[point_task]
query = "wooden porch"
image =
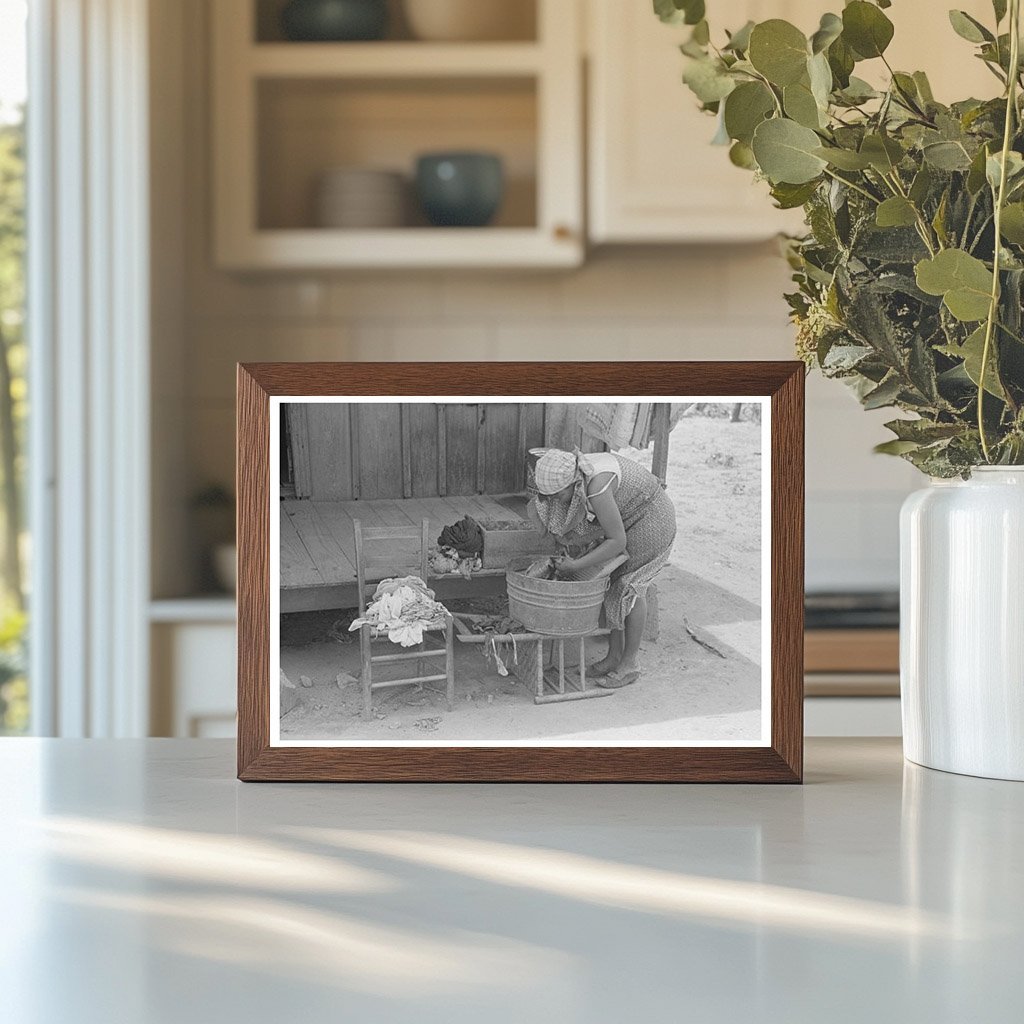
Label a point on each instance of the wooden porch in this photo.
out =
(318, 556)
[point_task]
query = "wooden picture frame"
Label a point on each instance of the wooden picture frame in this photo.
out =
(780, 388)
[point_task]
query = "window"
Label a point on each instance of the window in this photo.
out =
(14, 550)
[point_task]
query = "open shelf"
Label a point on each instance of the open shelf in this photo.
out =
(405, 248)
(392, 60)
(308, 127)
(287, 113)
(521, 19)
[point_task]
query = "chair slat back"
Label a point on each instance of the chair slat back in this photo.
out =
(385, 551)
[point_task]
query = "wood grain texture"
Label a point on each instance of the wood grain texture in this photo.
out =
(781, 762)
(852, 650)
(252, 485)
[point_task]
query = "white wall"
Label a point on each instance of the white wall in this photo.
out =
(654, 303)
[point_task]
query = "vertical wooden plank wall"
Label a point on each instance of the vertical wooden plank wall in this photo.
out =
(423, 449)
(415, 449)
(462, 437)
(323, 466)
(499, 441)
(380, 450)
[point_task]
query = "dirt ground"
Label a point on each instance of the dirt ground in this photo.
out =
(687, 692)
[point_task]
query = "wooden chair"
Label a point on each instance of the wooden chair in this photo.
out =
(381, 553)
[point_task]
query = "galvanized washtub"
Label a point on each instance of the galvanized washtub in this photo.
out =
(558, 607)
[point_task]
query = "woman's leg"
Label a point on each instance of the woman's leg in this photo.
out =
(633, 634)
(610, 662)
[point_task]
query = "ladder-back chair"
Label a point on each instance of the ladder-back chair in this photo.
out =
(383, 552)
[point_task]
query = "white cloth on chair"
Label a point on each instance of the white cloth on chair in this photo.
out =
(402, 609)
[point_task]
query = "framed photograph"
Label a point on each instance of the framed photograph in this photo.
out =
(548, 572)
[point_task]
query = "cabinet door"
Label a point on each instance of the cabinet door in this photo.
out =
(654, 175)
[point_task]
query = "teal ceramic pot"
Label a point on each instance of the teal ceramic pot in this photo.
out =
(331, 21)
(461, 190)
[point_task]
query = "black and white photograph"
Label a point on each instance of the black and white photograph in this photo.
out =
(489, 572)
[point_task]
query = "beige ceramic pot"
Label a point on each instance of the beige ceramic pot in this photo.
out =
(471, 20)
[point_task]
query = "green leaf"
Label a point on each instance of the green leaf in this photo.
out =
(789, 197)
(963, 281)
(676, 12)
(921, 185)
(896, 212)
(1012, 225)
(820, 76)
(885, 394)
(947, 156)
(1014, 169)
(866, 29)
(883, 153)
(739, 41)
(971, 352)
(844, 159)
(778, 50)
(800, 105)
(923, 431)
(841, 60)
(924, 87)
(785, 152)
(858, 91)
(741, 155)
(999, 7)
(939, 220)
(976, 174)
(906, 90)
(830, 29)
(745, 108)
(895, 447)
(708, 80)
(969, 28)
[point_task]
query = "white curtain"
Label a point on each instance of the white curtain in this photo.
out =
(88, 318)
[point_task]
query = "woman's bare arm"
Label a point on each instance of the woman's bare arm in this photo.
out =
(607, 513)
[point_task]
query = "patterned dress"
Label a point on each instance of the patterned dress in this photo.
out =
(650, 521)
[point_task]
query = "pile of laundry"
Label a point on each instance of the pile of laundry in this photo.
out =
(459, 548)
(444, 561)
(402, 608)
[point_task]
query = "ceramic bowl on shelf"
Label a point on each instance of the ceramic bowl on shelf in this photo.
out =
(471, 20)
(332, 21)
(361, 198)
(460, 189)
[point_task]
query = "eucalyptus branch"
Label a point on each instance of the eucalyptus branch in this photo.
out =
(970, 216)
(923, 227)
(771, 89)
(897, 297)
(853, 185)
(981, 231)
(1000, 199)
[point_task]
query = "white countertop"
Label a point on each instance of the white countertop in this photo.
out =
(143, 885)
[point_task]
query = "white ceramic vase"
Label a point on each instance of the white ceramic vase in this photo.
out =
(962, 624)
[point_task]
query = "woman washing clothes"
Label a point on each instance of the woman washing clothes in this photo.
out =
(604, 505)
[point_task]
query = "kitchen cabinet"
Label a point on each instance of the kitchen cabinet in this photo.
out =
(287, 113)
(653, 175)
(192, 648)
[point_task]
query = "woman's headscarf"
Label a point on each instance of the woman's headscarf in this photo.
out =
(555, 471)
